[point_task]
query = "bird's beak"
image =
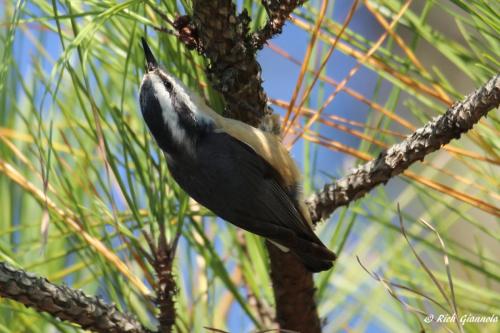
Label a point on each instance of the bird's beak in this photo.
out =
(151, 63)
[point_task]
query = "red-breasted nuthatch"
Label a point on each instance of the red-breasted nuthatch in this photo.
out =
(242, 174)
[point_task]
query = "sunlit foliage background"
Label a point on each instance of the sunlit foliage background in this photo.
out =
(81, 179)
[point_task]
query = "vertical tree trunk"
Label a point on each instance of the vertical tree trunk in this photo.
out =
(294, 290)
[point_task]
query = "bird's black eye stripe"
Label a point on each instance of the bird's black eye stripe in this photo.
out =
(167, 84)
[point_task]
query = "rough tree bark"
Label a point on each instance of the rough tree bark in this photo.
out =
(162, 259)
(65, 303)
(233, 69)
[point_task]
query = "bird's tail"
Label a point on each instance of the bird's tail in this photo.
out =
(314, 263)
(315, 256)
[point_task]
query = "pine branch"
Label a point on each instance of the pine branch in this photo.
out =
(74, 306)
(233, 70)
(216, 32)
(163, 255)
(278, 12)
(458, 119)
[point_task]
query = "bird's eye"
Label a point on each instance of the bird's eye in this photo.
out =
(167, 84)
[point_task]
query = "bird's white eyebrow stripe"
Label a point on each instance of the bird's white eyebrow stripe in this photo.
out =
(170, 117)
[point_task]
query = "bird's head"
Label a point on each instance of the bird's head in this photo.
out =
(175, 115)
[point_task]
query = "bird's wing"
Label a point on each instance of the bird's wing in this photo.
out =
(233, 181)
(241, 187)
(266, 145)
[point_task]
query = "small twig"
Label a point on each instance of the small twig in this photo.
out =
(183, 29)
(166, 31)
(459, 118)
(386, 283)
(166, 288)
(216, 330)
(451, 301)
(278, 12)
(388, 286)
(91, 313)
(152, 248)
(162, 15)
(446, 262)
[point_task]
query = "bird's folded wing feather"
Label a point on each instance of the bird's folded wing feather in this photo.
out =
(250, 186)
